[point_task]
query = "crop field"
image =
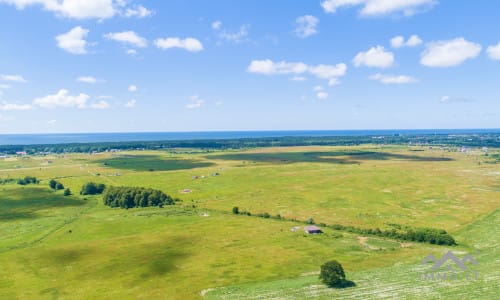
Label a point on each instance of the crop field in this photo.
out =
(73, 247)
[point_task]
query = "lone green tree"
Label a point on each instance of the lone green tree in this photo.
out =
(67, 192)
(59, 186)
(52, 184)
(332, 274)
(236, 210)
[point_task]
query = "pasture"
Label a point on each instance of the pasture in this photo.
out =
(74, 247)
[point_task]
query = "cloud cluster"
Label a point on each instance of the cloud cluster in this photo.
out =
(449, 52)
(195, 102)
(374, 57)
(84, 9)
(306, 26)
(127, 37)
(494, 51)
(380, 7)
(268, 67)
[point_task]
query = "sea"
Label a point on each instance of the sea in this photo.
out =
(64, 138)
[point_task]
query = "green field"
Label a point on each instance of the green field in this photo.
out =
(74, 247)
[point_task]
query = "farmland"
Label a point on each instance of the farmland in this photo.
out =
(55, 246)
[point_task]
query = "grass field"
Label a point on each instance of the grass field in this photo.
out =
(74, 247)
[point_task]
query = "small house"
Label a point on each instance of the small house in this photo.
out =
(312, 229)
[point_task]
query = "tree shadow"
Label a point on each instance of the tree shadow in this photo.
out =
(24, 203)
(335, 157)
(151, 163)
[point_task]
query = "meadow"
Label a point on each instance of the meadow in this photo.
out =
(73, 247)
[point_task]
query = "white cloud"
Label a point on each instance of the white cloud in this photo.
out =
(131, 103)
(14, 106)
(219, 103)
(393, 79)
(268, 67)
(449, 53)
(235, 37)
(298, 78)
(216, 25)
(62, 99)
(138, 11)
(73, 41)
(196, 102)
(87, 79)
(322, 95)
(189, 44)
(13, 78)
(375, 57)
(51, 122)
(100, 105)
(380, 7)
(77, 9)
(399, 41)
(306, 26)
(494, 51)
(4, 86)
(445, 98)
(104, 97)
(132, 88)
(127, 37)
(131, 52)
(318, 88)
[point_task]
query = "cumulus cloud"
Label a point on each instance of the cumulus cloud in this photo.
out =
(77, 9)
(268, 67)
(374, 57)
(298, 78)
(494, 51)
(131, 103)
(87, 79)
(138, 11)
(449, 53)
(306, 26)
(380, 7)
(392, 79)
(73, 41)
(127, 37)
(195, 102)
(84, 9)
(132, 88)
(188, 44)
(62, 99)
(13, 78)
(14, 106)
(399, 41)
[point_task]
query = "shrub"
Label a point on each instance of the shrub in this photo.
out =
(236, 210)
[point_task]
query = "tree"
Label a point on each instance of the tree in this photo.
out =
(59, 186)
(332, 274)
(236, 210)
(67, 192)
(52, 184)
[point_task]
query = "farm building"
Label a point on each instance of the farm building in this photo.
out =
(312, 229)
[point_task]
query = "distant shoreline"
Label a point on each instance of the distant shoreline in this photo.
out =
(68, 138)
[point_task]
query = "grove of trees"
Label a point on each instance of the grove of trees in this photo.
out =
(129, 197)
(56, 185)
(28, 180)
(92, 188)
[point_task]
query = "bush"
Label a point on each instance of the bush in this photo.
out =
(332, 274)
(59, 186)
(92, 188)
(236, 210)
(52, 184)
(67, 192)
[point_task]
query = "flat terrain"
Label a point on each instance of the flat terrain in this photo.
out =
(74, 247)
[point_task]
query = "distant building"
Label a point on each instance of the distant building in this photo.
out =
(312, 229)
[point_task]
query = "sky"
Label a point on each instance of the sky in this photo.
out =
(123, 66)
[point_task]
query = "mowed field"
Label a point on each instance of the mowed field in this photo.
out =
(56, 247)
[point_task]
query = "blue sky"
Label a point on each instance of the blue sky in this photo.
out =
(113, 66)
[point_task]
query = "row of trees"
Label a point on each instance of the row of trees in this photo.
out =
(398, 232)
(129, 197)
(28, 180)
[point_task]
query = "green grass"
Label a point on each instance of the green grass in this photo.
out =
(67, 247)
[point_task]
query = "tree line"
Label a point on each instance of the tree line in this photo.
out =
(129, 197)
